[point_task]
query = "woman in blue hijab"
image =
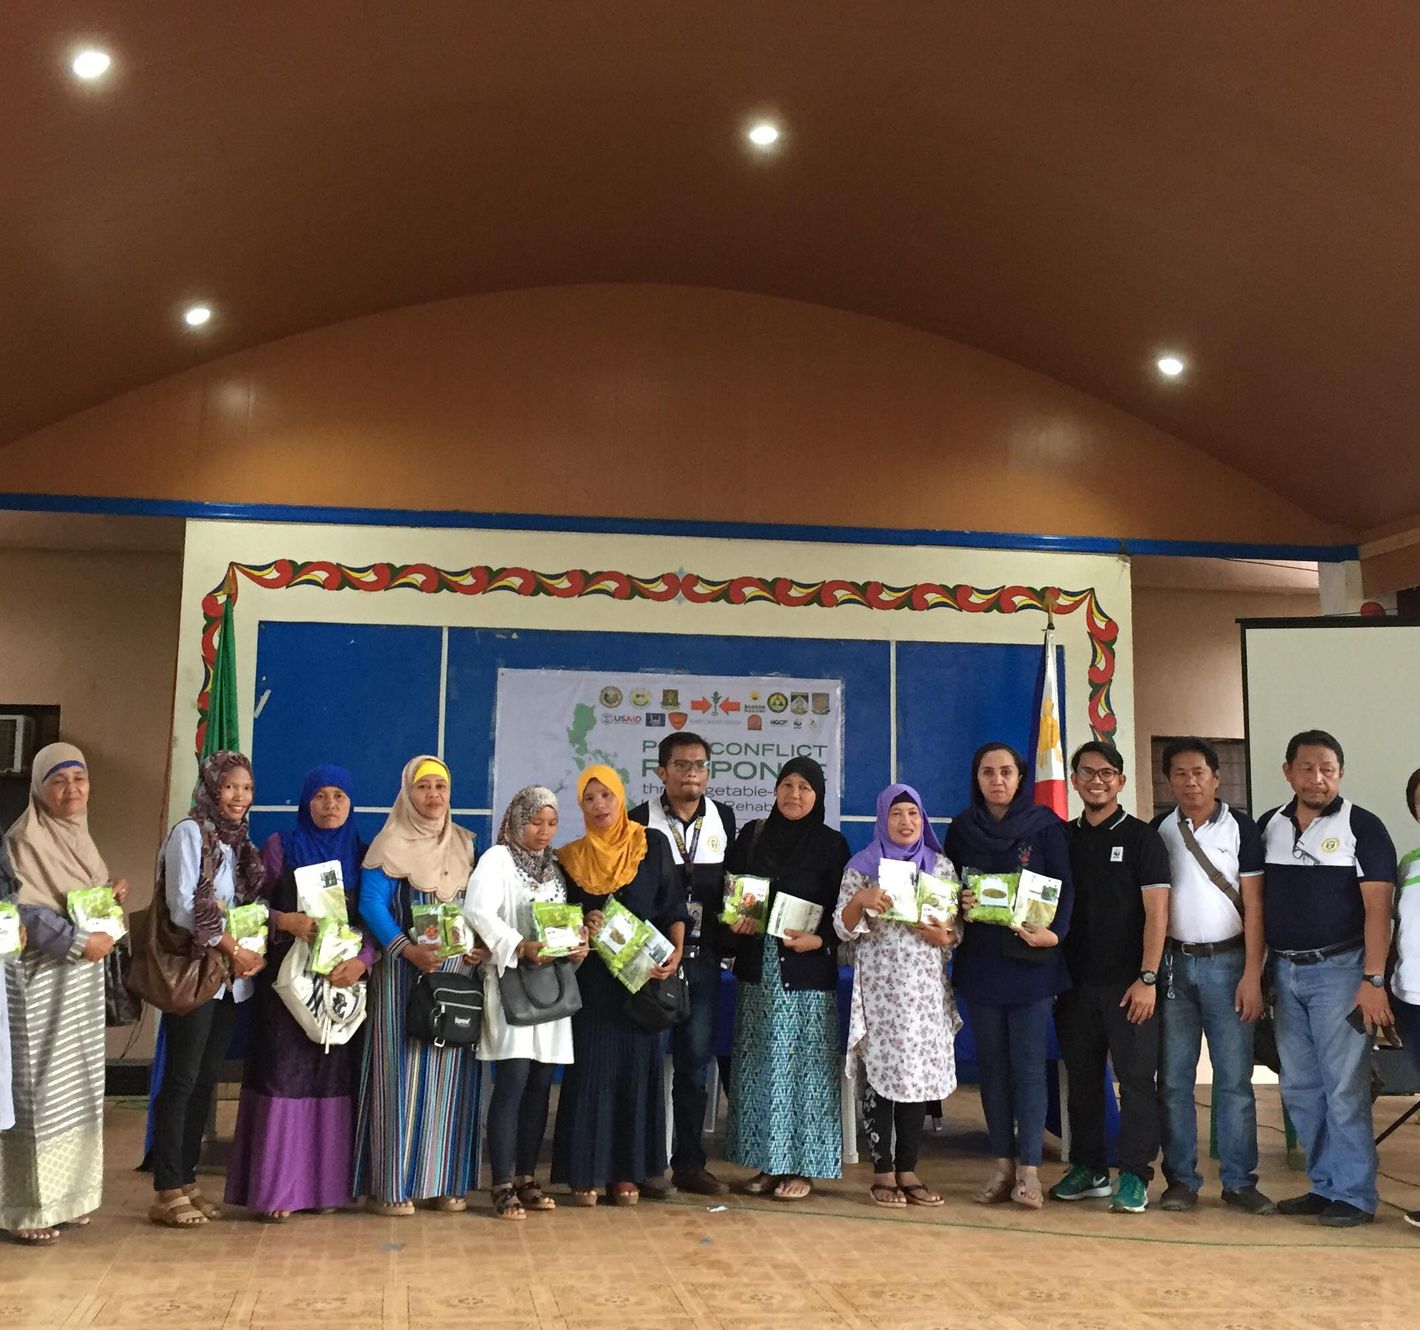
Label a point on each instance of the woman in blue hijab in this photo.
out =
(294, 1145)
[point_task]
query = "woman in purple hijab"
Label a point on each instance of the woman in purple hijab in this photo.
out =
(904, 1018)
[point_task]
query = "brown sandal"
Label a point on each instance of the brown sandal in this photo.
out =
(782, 1192)
(533, 1197)
(506, 1204)
(761, 1184)
(917, 1194)
(176, 1212)
(33, 1237)
(209, 1209)
(390, 1209)
(887, 1195)
(995, 1192)
(624, 1193)
(449, 1205)
(584, 1198)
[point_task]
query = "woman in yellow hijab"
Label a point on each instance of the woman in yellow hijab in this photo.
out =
(611, 1121)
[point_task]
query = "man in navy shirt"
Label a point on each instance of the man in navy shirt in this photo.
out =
(1327, 887)
(700, 831)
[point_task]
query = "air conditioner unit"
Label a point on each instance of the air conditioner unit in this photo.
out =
(17, 744)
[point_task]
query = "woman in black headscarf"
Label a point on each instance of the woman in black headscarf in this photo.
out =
(784, 1096)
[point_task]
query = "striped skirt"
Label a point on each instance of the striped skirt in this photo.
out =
(52, 1159)
(416, 1136)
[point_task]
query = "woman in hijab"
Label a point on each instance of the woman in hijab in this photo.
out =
(51, 1160)
(1009, 978)
(207, 865)
(520, 869)
(294, 1144)
(904, 1017)
(784, 1097)
(417, 1136)
(611, 1117)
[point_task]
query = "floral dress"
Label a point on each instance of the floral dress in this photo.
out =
(903, 1019)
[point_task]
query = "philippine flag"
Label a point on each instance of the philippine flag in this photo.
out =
(1049, 755)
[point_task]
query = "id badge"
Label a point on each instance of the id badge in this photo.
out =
(697, 913)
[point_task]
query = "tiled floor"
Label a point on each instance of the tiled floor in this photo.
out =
(833, 1261)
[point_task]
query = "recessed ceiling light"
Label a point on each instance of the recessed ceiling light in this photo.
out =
(764, 135)
(1170, 366)
(196, 315)
(91, 63)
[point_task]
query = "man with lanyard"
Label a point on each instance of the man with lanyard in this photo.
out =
(700, 831)
(1327, 884)
(1113, 950)
(1212, 979)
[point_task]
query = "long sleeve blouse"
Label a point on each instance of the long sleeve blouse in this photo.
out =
(182, 864)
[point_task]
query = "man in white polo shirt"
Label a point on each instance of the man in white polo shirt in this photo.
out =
(1212, 979)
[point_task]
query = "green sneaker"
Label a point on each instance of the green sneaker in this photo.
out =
(1130, 1195)
(1080, 1184)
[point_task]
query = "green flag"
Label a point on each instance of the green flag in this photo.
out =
(221, 731)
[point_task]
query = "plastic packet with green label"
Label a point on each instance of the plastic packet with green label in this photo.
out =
(1037, 898)
(442, 925)
(938, 898)
(98, 911)
(320, 891)
(898, 878)
(995, 894)
(247, 925)
(557, 926)
(746, 897)
(335, 944)
(9, 930)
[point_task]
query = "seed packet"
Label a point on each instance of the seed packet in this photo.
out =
(994, 894)
(631, 947)
(1037, 898)
(938, 898)
(794, 914)
(335, 944)
(898, 878)
(746, 898)
(98, 911)
(247, 924)
(442, 924)
(557, 926)
(9, 929)
(320, 891)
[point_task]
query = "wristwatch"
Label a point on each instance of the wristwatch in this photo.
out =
(1375, 980)
(1148, 978)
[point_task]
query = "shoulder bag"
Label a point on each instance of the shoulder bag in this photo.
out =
(536, 994)
(168, 970)
(659, 1004)
(446, 1010)
(328, 1016)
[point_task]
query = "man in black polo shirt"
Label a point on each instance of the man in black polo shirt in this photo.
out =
(1113, 950)
(1327, 883)
(700, 831)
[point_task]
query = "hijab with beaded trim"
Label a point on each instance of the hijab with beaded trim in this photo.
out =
(52, 856)
(602, 862)
(433, 855)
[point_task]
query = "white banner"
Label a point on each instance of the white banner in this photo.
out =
(553, 723)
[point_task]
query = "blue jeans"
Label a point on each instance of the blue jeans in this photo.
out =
(1326, 1075)
(1196, 995)
(1010, 1051)
(692, 1049)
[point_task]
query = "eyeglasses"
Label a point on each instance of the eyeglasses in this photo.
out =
(685, 764)
(1089, 774)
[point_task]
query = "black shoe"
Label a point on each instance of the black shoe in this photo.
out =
(1178, 1196)
(1310, 1204)
(1413, 1217)
(1251, 1200)
(656, 1189)
(1342, 1214)
(700, 1182)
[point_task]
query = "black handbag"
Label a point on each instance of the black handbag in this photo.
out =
(659, 1004)
(121, 1005)
(446, 1010)
(535, 994)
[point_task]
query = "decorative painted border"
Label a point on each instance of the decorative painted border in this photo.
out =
(576, 583)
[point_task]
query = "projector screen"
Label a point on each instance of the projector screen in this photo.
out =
(1358, 679)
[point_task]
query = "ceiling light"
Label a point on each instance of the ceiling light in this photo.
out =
(91, 63)
(764, 135)
(1170, 366)
(196, 315)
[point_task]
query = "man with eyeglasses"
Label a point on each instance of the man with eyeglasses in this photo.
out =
(1113, 951)
(1328, 879)
(700, 831)
(1212, 979)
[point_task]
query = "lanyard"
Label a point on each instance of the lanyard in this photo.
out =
(687, 857)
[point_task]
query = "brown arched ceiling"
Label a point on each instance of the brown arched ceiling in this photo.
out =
(1075, 187)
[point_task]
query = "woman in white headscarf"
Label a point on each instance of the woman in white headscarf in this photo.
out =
(417, 1134)
(51, 1160)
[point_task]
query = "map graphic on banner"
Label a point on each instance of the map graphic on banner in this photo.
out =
(550, 724)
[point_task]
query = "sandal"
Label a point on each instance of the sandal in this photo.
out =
(79, 1221)
(176, 1212)
(33, 1237)
(390, 1209)
(624, 1193)
(506, 1204)
(917, 1194)
(274, 1216)
(533, 1197)
(761, 1184)
(585, 1198)
(782, 1191)
(888, 1195)
(1028, 1194)
(449, 1205)
(208, 1209)
(995, 1192)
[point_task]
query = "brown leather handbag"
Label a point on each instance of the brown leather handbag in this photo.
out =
(168, 969)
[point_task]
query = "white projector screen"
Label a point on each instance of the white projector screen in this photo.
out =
(1358, 679)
